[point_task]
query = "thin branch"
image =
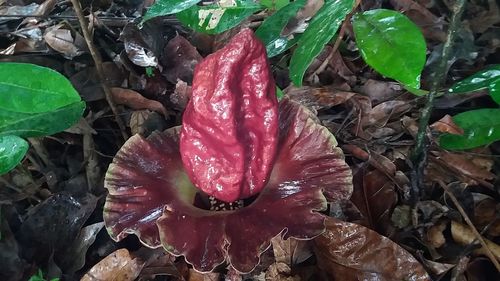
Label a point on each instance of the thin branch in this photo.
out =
(457, 204)
(419, 155)
(98, 65)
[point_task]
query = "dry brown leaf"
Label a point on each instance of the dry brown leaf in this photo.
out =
(364, 254)
(144, 122)
(446, 125)
(179, 59)
(431, 25)
(299, 23)
(487, 18)
(43, 10)
(438, 268)
(118, 266)
(290, 251)
(374, 195)
(61, 40)
(88, 84)
(135, 100)
(318, 98)
(340, 68)
(486, 213)
(280, 272)
(435, 234)
(380, 91)
(181, 95)
(462, 164)
(463, 235)
(197, 276)
(382, 113)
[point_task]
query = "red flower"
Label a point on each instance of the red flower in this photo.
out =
(231, 149)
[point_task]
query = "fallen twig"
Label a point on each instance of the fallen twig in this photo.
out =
(98, 65)
(459, 207)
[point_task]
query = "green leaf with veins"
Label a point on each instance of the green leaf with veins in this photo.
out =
(36, 101)
(320, 31)
(392, 44)
(30, 88)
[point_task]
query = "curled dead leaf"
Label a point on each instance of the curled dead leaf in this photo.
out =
(463, 235)
(348, 251)
(144, 122)
(62, 40)
(118, 266)
(446, 125)
(290, 251)
(181, 95)
(280, 272)
(135, 100)
(179, 59)
(435, 235)
(196, 276)
(299, 23)
(318, 98)
(462, 165)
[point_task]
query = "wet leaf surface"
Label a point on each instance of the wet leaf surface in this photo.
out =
(401, 56)
(352, 252)
(12, 151)
(270, 30)
(320, 31)
(481, 127)
(488, 78)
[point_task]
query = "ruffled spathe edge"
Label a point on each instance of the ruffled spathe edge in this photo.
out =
(150, 196)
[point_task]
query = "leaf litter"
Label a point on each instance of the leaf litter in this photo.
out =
(51, 205)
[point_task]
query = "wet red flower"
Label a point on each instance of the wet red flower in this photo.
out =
(236, 142)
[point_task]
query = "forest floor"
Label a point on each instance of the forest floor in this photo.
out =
(51, 205)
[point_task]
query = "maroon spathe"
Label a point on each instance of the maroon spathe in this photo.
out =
(231, 148)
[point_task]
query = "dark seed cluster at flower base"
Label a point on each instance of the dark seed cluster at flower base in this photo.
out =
(236, 143)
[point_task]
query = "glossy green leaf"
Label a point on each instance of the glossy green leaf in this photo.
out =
(168, 7)
(391, 44)
(270, 30)
(487, 78)
(481, 127)
(40, 124)
(274, 4)
(320, 31)
(279, 93)
(12, 151)
(30, 88)
(217, 18)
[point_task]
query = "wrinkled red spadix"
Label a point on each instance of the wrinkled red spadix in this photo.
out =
(230, 126)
